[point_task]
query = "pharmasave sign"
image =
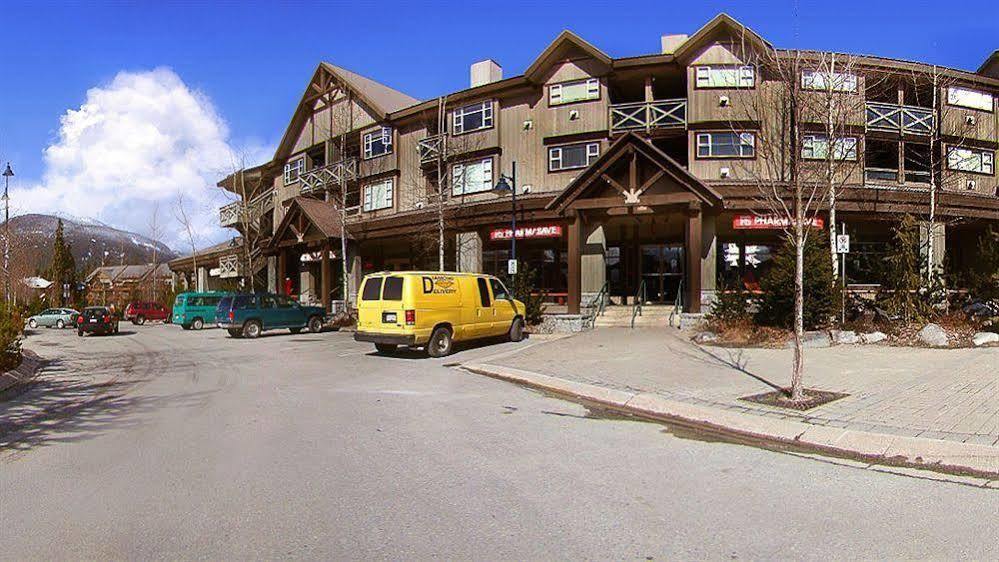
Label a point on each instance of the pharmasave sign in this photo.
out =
(770, 222)
(526, 232)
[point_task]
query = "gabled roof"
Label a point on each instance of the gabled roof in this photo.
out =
(565, 43)
(991, 65)
(591, 176)
(722, 24)
(323, 216)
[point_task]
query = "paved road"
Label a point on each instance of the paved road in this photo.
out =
(168, 444)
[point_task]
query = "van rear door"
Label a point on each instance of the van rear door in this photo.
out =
(369, 306)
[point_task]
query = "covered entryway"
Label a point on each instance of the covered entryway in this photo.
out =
(635, 220)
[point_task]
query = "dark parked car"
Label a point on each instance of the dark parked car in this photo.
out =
(139, 312)
(250, 315)
(96, 320)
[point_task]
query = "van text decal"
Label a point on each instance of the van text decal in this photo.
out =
(439, 285)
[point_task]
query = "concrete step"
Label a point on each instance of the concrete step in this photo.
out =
(652, 316)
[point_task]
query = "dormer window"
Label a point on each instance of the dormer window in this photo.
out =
(973, 99)
(293, 169)
(377, 143)
(724, 76)
(826, 81)
(574, 91)
(473, 117)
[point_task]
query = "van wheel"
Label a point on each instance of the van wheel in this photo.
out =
(198, 324)
(385, 348)
(516, 330)
(60, 324)
(440, 342)
(235, 332)
(315, 324)
(252, 329)
(140, 320)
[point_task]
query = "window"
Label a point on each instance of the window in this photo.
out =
(578, 90)
(473, 117)
(572, 156)
(378, 195)
(484, 293)
(725, 76)
(285, 302)
(969, 98)
(499, 291)
(726, 145)
(816, 147)
(377, 143)
(372, 289)
(244, 302)
(393, 289)
(472, 177)
(267, 301)
(971, 160)
(293, 169)
(835, 81)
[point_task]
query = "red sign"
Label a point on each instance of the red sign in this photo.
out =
(542, 231)
(769, 222)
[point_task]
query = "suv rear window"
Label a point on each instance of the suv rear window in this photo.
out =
(372, 289)
(393, 289)
(225, 303)
(243, 302)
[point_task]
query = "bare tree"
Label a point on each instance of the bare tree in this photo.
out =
(181, 215)
(155, 233)
(248, 187)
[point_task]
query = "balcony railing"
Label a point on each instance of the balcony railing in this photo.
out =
(890, 175)
(648, 115)
(431, 148)
(229, 215)
(903, 119)
(329, 176)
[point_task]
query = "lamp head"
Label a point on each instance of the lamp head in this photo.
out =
(8, 172)
(502, 187)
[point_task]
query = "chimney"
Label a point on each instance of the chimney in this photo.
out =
(486, 72)
(671, 43)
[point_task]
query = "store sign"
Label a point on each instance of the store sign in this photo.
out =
(542, 231)
(769, 222)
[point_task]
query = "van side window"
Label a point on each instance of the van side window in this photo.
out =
(499, 291)
(393, 289)
(372, 289)
(484, 292)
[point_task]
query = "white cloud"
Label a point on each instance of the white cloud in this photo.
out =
(133, 145)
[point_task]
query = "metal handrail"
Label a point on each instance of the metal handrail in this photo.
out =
(601, 305)
(678, 307)
(639, 301)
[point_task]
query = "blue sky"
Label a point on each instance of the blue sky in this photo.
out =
(252, 60)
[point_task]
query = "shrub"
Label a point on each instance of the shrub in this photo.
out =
(903, 293)
(523, 285)
(821, 295)
(11, 323)
(731, 305)
(983, 279)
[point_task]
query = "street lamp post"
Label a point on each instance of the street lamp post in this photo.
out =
(7, 174)
(508, 184)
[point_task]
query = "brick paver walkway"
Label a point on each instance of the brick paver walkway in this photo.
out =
(950, 394)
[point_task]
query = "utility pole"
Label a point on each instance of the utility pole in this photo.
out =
(7, 174)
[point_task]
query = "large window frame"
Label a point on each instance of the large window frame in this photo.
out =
(293, 170)
(458, 117)
(376, 201)
(816, 147)
(459, 179)
(821, 80)
(970, 99)
(973, 161)
(556, 155)
(707, 140)
(557, 92)
(377, 143)
(713, 77)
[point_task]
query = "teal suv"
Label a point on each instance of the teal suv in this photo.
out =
(250, 315)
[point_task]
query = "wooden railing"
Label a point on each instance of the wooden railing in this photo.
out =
(648, 115)
(905, 119)
(230, 215)
(329, 176)
(431, 148)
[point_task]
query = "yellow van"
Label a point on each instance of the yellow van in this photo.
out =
(434, 310)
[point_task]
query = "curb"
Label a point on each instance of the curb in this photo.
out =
(10, 381)
(981, 461)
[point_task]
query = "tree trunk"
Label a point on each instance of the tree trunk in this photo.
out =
(797, 392)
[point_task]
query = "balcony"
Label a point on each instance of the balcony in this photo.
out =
(648, 115)
(891, 175)
(329, 177)
(431, 148)
(901, 119)
(229, 215)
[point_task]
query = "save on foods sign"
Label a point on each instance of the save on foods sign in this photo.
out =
(768, 222)
(540, 231)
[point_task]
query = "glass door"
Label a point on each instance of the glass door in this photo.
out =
(662, 271)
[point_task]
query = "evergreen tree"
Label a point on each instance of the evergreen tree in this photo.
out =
(63, 268)
(821, 295)
(901, 292)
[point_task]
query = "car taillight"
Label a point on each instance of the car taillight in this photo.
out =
(410, 317)
(106, 319)
(231, 316)
(79, 320)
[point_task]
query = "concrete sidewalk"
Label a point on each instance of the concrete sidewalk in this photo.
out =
(920, 406)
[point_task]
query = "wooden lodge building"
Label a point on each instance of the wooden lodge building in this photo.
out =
(632, 172)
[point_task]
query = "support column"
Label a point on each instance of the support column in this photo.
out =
(709, 258)
(593, 267)
(354, 273)
(324, 281)
(693, 253)
(282, 271)
(201, 280)
(575, 258)
(272, 274)
(469, 252)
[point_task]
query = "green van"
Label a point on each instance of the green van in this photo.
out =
(191, 310)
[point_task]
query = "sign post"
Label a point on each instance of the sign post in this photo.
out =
(842, 248)
(511, 267)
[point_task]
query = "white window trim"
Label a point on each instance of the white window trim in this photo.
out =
(986, 159)
(555, 156)
(385, 133)
(702, 76)
(297, 166)
(745, 138)
(847, 146)
(459, 185)
(368, 204)
(592, 91)
(486, 107)
(955, 98)
(840, 81)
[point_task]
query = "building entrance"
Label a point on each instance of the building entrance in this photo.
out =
(662, 269)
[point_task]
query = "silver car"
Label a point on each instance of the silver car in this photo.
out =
(57, 317)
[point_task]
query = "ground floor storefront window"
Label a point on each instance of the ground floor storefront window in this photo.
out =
(549, 264)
